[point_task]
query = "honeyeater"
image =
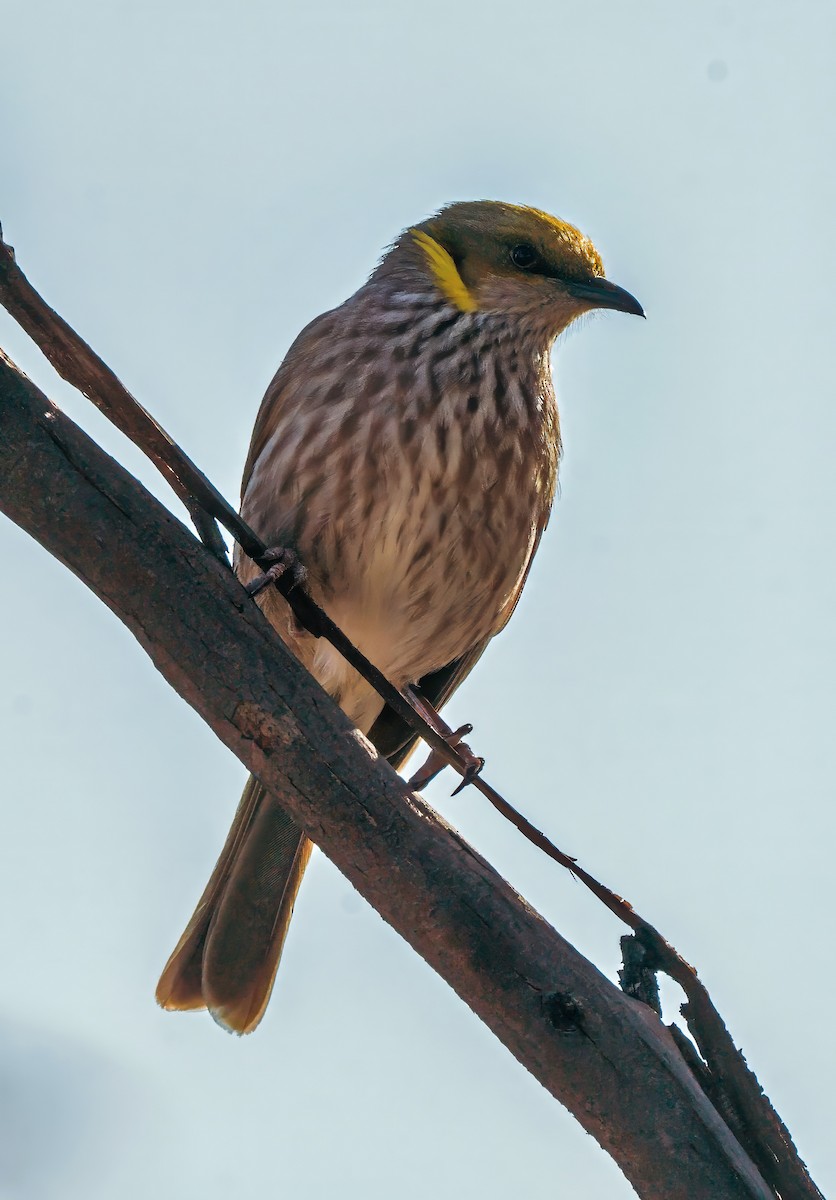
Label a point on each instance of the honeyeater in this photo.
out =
(406, 454)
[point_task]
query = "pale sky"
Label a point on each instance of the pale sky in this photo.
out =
(189, 184)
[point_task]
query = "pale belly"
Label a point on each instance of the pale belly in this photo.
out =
(415, 579)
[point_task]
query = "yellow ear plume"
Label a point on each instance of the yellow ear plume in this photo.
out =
(445, 272)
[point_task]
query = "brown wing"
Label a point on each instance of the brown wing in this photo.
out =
(308, 342)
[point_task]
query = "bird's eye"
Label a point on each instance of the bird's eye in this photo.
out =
(524, 256)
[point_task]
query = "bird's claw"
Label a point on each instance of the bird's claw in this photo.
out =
(473, 768)
(436, 762)
(282, 562)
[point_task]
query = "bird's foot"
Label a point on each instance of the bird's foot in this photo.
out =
(281, 562)
(436, 762)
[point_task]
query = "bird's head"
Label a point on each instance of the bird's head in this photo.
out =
(486, 256)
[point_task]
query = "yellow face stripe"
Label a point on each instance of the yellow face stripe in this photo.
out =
(444, 272)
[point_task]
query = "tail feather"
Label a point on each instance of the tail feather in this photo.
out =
(227, 958)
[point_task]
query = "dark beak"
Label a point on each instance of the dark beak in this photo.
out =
(600, 293)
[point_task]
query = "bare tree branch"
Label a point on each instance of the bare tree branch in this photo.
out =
(604, 1055)
(79, 364)
(722, 1072)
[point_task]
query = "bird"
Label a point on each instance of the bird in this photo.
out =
(405, 456)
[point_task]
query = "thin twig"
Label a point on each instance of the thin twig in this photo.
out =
(79, 365)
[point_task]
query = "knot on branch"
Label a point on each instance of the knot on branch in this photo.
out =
(638, 974)
(564, 1012)
(256, 725)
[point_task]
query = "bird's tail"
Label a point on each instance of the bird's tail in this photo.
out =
(227, 958)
